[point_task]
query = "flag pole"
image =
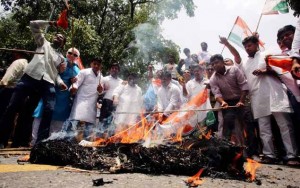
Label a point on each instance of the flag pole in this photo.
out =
(260, 17)
(258, 22)
(229, 33)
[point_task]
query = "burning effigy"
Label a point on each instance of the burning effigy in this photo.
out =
(173, 147)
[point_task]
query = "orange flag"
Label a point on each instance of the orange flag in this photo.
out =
(63, 19)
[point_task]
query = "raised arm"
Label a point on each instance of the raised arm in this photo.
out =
(233, 51)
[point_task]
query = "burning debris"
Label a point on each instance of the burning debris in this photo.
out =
(216, 157)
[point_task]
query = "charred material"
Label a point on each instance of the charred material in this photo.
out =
(217, 157)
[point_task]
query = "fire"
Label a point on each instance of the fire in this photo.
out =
(251, 167)
(195, 179)
(24, 158)
(208, 135)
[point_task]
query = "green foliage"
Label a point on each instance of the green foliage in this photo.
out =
(119, 30)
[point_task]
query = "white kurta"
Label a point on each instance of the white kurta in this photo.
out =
(266, 92)
(84, 106)
(168, 98)
(130, 100)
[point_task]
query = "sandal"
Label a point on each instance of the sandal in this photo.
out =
(293, 162)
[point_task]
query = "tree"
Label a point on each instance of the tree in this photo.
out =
(103, 28)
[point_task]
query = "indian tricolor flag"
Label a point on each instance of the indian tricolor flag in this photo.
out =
(240, 31)
(275, 7)
(192, 114)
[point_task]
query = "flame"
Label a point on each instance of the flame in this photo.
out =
(195, 179)
(208, 135)
(24, 158)
(251, 167)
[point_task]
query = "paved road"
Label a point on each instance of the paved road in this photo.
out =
(27, 175)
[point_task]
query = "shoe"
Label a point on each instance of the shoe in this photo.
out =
(256, 158)
(294, 162)
(269, 160)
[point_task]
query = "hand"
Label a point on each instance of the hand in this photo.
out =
(295, 71)
(124, 83)
(62, 67)
(256, 34)
(73, 90)
(53, 23)
(240, 104)
(63, 86)
(99, 88)
(115, 101)
(224, 104)
(223, 40)
(259, 72)
(73, 80)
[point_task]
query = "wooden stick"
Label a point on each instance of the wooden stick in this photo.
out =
(18, 50)
(229, 33)
(171, 111)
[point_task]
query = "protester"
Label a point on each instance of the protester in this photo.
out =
(87, 87)
(230, 88)
(188, 61)
(168, 96)
(127, 99)
(172, 67)
(64, 102)
(150, 96)
(204, 55)
(268, 97)
(37, 82)
(10, 79)
(110, 83)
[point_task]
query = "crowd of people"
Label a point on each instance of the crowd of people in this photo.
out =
(260, 108)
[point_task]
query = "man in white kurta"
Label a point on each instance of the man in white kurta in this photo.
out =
(87, 88)
(267, 97)
(128, 99)
(110, 83)
(168, 96)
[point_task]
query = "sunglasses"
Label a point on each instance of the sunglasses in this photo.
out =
(75, 55)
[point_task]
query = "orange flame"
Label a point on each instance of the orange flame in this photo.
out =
(208, 135)
(251, 167)
(195, 179)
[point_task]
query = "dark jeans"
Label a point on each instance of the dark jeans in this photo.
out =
(5, 95)
(244, 116)
(106, 112)
(33, 90)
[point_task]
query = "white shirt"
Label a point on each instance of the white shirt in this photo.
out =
(110, 84)
(193, 87)
(43, 66)
(14, 73)
(266, 92)
(204, 56)
(84, 106)
(130, 100)
(168, 98)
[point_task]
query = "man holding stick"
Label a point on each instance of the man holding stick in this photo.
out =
(37, 82)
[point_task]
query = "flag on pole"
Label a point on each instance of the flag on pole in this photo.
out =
(63, 19)
(240, 31)
(275, 7)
